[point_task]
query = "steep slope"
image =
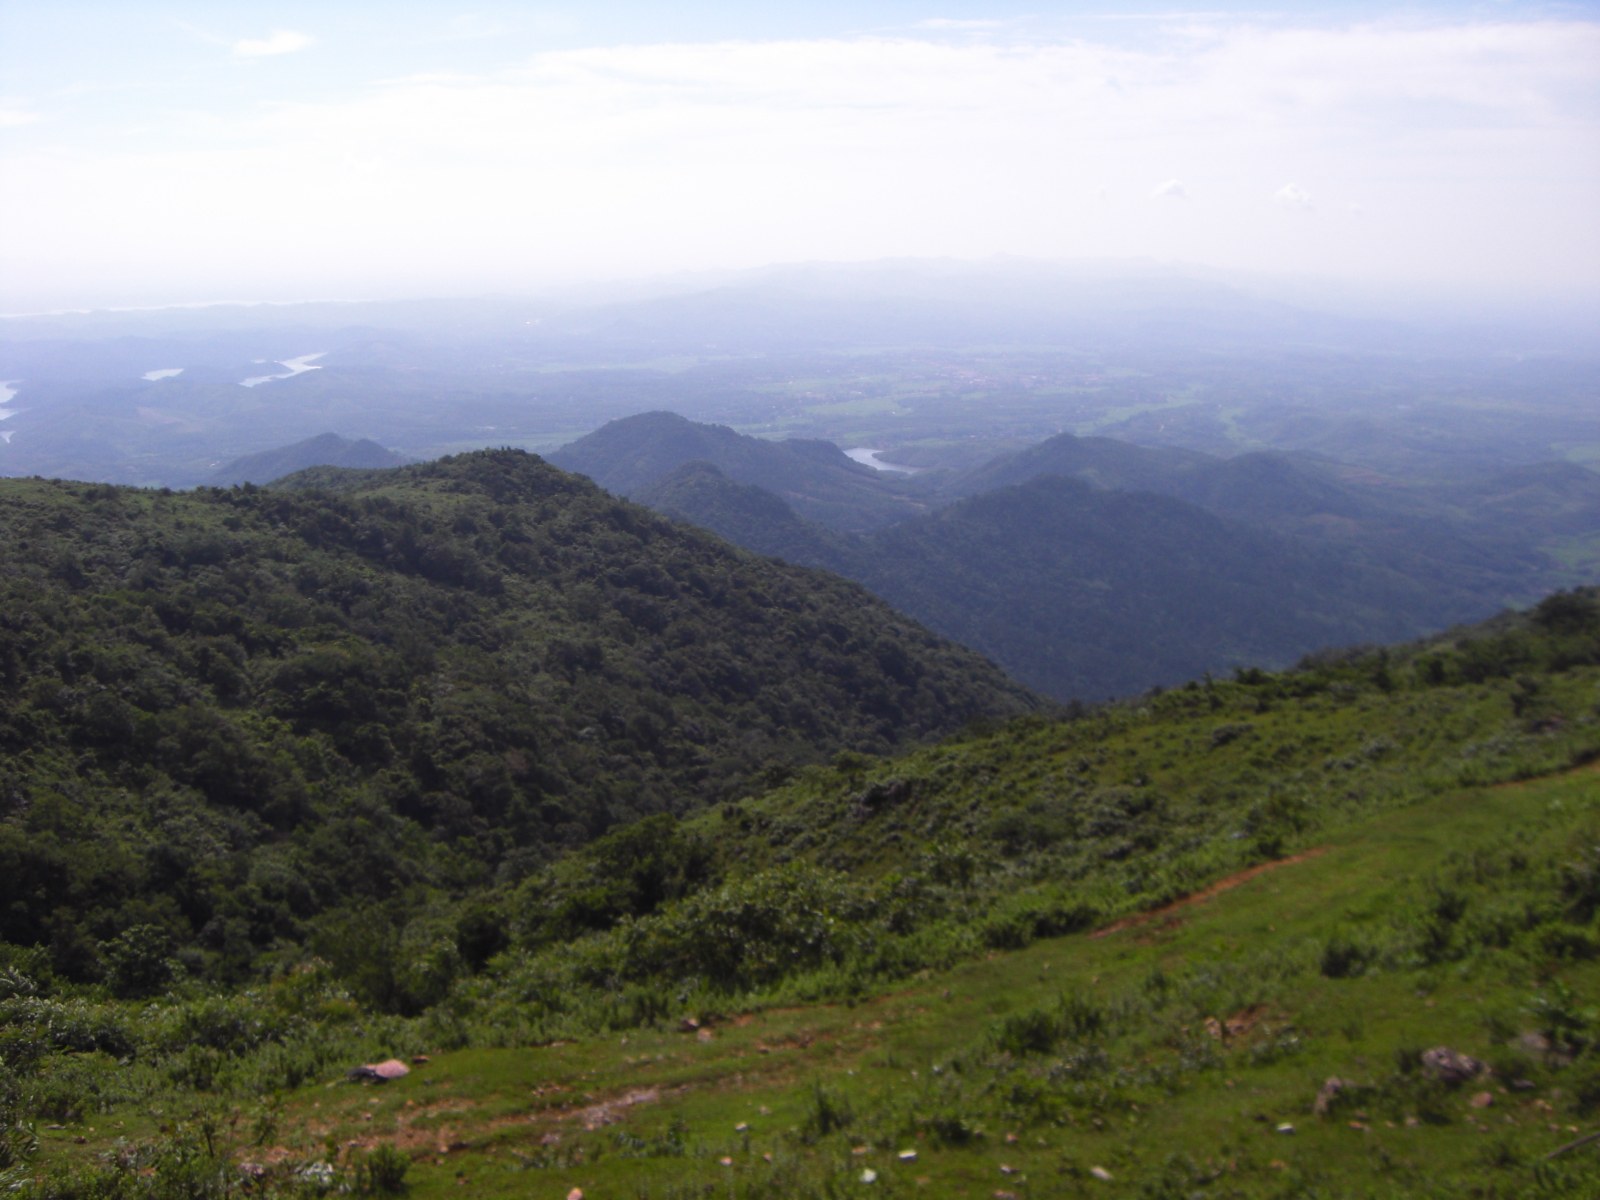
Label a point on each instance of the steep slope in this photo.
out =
(1086, 594)
(748, 516)
(1253, 560)
(250, 707)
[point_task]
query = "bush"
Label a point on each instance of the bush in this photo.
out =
(753, 931)
(382, 1172)
(1033, 1032)
(1568, 1027)
(1081, 1017)
(1343, 957)
(1570, 942)
(826, 1112)
(951, 1129)
(1580, 885)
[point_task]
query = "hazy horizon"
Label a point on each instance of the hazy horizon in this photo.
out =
(305, 152)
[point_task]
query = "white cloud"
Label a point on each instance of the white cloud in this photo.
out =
(12, 116)
(1292, 195)
(633, 158)
(282, 41)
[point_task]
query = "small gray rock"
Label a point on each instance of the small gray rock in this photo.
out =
(1451, 1066)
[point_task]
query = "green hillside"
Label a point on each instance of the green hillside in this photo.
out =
(236, 723)
(747, 515)
(1089, 567)
(1118, 953)
(1084, 593)
(815, 478)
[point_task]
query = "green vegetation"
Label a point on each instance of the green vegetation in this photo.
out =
(243, 726)
(816, 478)
(1091, 568)
(1137, 940)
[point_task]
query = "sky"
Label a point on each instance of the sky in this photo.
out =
(157, 153)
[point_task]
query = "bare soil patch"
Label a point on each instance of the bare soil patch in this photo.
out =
(609, 1112)
(1166, 911)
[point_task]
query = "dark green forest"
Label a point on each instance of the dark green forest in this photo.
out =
(1091, 568)
(231, 718)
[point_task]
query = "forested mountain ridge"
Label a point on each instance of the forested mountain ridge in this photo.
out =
(1494, 536)
(816, 478)
(1136, 566)
(1087, 594)
(324, 450)
(747, 515)
(229, 711)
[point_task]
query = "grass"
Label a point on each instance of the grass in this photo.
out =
(1271, 882)
(1120, 1072)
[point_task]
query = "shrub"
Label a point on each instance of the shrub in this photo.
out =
(826, 1112)
(1584, 1082)
(1343, 957)
(1580, 885)
(382, 1172)
(1081, 1017)
(951, 1129)
(1569, 1028)
(1570, 941)
(1010, 931)
(752, 931)
(1035, 1031)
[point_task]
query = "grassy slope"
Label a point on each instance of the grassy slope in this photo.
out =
(1153, 1098)
(1443, 907)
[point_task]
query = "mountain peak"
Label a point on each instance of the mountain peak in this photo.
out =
(323, 450)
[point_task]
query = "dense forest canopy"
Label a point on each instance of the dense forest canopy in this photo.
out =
(228, 711)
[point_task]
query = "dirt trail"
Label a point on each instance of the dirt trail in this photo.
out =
(1205, 893)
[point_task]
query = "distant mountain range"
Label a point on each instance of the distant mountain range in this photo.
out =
(1090, 567)
(827, 306)
(814, 478)
(324, 450)
(943, 356)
